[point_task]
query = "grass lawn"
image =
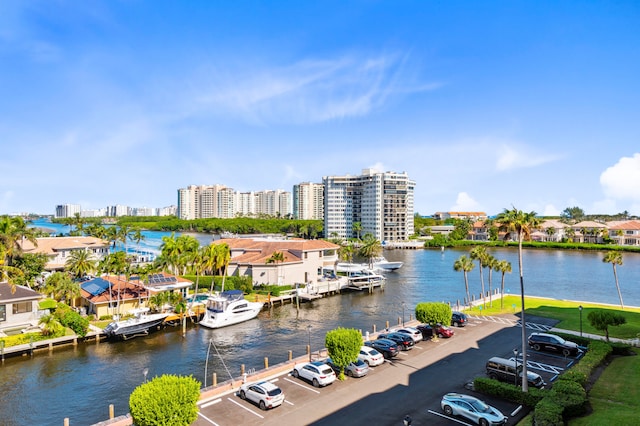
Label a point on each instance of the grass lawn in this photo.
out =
(614, 397)
(566, 312)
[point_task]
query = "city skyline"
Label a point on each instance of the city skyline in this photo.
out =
(485, 106)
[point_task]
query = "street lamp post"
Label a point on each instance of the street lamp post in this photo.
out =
(580, 309)
(309, 332)
(403, 314)
(515, 357)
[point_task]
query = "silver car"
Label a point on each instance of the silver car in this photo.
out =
(456, 404)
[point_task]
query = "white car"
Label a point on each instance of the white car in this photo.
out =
(371, 356)
(318, 373)
(265, 394)
(415, 334)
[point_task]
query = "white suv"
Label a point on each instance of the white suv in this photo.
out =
(415, 334)
(265, 394)
(318, 373)
(370, 356)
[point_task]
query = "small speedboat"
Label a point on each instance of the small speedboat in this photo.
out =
(140, 324)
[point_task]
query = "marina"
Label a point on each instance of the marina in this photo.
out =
(116, 367)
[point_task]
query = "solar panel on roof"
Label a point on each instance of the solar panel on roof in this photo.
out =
(96, 286)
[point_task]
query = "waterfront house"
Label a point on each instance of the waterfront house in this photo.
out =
(58, 249)
(625, 232)
(19, 309)
(109, 295)
(302, 260)
(551, 230)
(589, 231)
(479, 231)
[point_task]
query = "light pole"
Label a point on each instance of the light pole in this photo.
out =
(515, 357)
(580, 309)
(309, 331)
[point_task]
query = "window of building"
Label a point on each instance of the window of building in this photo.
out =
(21, 307)
(3, 312)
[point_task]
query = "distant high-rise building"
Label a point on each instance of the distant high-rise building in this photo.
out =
(381, 202)
(308, 201)
(206, 201)
(67, 210)
(118, 210)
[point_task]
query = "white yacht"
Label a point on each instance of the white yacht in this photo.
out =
(141, 323)
(227, 308)
(383, 264)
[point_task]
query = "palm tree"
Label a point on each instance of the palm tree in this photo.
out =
(345, 253)
(464, 264)
(490, 263)
(223, 259)
(137, 236)
(370, 249)
(80, 263)
(357, 228)
(502, 266)
(480, 254)
(277, 257)
(50, 325)
(615, 258)
(13, 232)
(8, 274)
(522, 224)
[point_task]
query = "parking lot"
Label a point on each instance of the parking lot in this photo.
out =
(411, 385)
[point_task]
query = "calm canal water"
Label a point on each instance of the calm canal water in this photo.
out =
(81, 382)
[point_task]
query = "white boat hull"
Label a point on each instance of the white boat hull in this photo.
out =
(217, 320)
(136, 326)
(229, 308)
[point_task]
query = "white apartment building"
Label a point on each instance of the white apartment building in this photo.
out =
(382, 202)
(219, 201)
(308, 201)
(67, 210)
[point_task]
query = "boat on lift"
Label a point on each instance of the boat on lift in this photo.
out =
(140, 324)
(228, 308)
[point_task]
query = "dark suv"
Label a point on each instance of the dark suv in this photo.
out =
(388, 348)
(404, 341)
(459, 319)
(505, 370)
(551, 342)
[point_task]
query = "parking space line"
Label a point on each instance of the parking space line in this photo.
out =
(516, 411)
(243, 407)
(301, 385)
(289, 402)
(208, 419)
(444, 416)
(210, 403)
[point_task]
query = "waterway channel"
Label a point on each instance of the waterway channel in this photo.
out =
(80, 382)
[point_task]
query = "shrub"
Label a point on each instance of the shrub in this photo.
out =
(165, 400)
(571, 396)
(548, 413)
(433, 313)
(509, 392)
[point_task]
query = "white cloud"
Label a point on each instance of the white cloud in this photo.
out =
(519, 156)
(311, 90)
(621, 181)
(550, 210)
(464, 203)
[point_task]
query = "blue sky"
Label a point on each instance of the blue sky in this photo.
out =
(486, 105)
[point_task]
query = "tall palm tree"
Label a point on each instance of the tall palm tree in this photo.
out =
(502, 266)
(480, 254)
(357, 228)
(80, 263)
(223, 259)
(8, 274)
(615, 258)
(137, 236)
(523, 224)
(466, 265)
(490, 263)
(370, 249)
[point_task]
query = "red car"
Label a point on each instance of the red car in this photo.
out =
(439, 330)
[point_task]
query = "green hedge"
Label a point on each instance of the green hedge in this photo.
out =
(165, 400)
(509, 392)
(230, 283)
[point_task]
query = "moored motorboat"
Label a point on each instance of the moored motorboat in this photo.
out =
(140, 324)
(227, 308)
(383, 264)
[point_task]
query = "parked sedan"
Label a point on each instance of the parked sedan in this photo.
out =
(551, 342)
(318, 373)
(265, 394)
(455, 404)
(439, 330)
(388, 348)
(413, 332)
(358, 368)
(404, 341)
(371, 356)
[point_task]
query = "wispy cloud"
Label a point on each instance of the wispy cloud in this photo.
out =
(620, 181)
(310, 91)
(518, 156)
